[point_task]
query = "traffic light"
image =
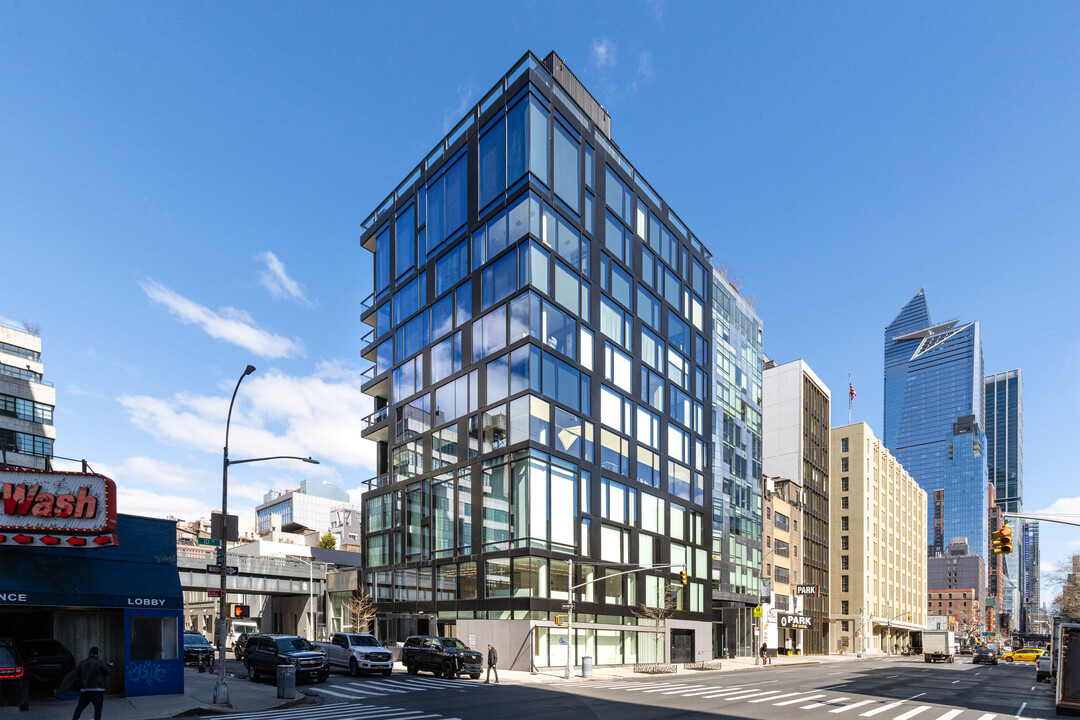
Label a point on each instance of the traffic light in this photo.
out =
(682, 576)
(239, 611)
(562, 620)
(1006, 539)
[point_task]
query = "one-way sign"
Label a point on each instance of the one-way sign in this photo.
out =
(216, 569)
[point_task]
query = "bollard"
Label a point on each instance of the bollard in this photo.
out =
(586, 666)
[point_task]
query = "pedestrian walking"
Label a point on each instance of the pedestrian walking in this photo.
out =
(91, 674)
(493, 660)
(764, 653)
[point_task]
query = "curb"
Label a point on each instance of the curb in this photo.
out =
(213, 710)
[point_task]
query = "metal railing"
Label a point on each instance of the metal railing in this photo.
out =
(375, 418)
(367, 337)
(367, 303)
(376, 482)
(368, 374)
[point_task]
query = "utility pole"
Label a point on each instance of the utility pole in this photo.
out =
(859, 654)
(888, 631)
(571, 641)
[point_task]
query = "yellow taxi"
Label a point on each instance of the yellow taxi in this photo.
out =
(1028, 654)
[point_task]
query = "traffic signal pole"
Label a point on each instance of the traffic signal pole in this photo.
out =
(571, 647)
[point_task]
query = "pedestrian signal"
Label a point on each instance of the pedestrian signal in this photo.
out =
(239, 611)
(562, 620)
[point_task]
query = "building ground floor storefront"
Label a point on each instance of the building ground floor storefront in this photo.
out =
(124, 599)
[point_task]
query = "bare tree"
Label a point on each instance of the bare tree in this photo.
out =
(1067, 575)
(729, 275)
(658, 616)
(362, 610)
(32, 327)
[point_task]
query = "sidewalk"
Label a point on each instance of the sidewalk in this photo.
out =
(246, 696)
(198, 699)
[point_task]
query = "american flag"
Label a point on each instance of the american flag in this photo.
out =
(851, 394)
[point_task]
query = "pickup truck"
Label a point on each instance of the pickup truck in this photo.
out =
(357, 653)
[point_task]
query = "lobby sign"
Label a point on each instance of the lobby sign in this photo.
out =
(46, 508)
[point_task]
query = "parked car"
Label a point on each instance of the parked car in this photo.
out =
(1042, 667)
(264, 652)
(444, 656)
(14, 682)
(1028, 654)
(47, 662)
(357, 652)
(984, 655)
(197, 649)
(239, 646)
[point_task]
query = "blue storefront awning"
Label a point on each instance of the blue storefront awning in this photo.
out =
(141, 573)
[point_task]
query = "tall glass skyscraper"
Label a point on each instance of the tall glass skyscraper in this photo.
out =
(933, 420)
(1004, 399)
(542, 340)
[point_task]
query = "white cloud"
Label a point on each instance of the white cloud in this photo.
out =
(137, 501)
(603, 53)
(1068, 508)
(229, 324)
(454, 114)
(275, 414)
(277, 281)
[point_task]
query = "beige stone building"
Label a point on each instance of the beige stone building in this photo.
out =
(877, 545)
(783, 502)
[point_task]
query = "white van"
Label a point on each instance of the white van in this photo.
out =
(237, 628)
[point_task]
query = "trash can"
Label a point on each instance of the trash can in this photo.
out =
(286, 681)
(586, 666)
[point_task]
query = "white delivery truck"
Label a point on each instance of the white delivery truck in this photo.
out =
(939, 645)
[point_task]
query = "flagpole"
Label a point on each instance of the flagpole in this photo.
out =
(850, 399)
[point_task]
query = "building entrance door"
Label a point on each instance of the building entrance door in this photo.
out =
(682, 646)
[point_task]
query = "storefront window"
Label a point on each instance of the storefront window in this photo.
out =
(154, 638)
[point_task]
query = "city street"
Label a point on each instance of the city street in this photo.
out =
(881, 689)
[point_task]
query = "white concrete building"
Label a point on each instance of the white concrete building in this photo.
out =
(26, 401)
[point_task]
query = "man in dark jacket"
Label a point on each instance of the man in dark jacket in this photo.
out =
(493, 660)
(91, 673)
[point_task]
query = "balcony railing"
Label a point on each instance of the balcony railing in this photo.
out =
(368, 374)
(376, 482)
(367, 337)
(367, 304)
(375, 418)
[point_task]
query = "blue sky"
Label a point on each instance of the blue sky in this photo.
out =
(182, 186)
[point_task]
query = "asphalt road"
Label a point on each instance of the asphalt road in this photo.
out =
(885, 689)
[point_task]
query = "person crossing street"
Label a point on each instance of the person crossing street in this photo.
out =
(493, 660)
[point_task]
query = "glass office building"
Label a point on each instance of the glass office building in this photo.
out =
(933, 420)
(1004, 402)
(541, 375)
(736, 471)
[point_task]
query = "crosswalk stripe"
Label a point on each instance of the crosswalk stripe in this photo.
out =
(798, 700)
(811, 706)
(743, 696)
(852, 706)
(883, 708)
(777, 697)
(688, 688)
(344, 711)
(987, 716)
(915, 711)
(643, 686)
(949, 715)
(324, 691)
(712, 689)
(382, 687)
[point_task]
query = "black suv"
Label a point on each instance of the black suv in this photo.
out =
(444, 656)
(239, 646)
(197, 649)
(265, 652)
(14, 681)
(47, 662)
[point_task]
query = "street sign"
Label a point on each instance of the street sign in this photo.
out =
(757, 611)
(220, 559)
(209, 541)
(790, 621)
(216, 569)
(567, 606)
(214, 592)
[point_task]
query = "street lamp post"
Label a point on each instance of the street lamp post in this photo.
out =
(221, 689)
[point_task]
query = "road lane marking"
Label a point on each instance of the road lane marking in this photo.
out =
(889, 677)
(697, 692)
(1021, 710)
(681, 686)
(688, 688)
(743, 696)
(799, 700)
(845, 708)
(645, 686)
(987, 716)
(822, 704)
(777, 697)
(838, 672)
(914, 696)
(834, 687)
(719, 693)
(955, 681)
(912, 713)
(949, 715)
(883, 708)
(1033, 688)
